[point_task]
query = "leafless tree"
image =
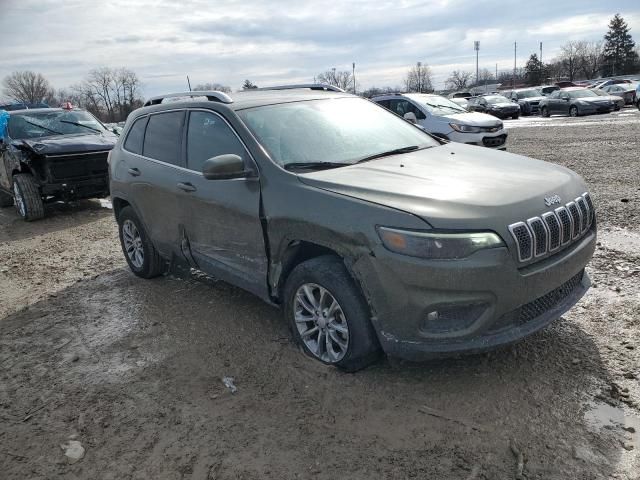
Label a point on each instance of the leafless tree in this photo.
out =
(458, 80)
(337, 78)
(592, 59)
(109, 93)
(212, 86)
(27, 87)
(571, 54)
(418, 79)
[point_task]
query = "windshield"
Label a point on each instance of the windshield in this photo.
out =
(493, 99)
(55, 122)
(529, 94)
(581, 93)
(342, 130)
(437, 105)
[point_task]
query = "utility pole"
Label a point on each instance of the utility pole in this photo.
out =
(476, 47)
(515, 56)
(541, 66)
(189, 82)
(496, 73)
(418, 75)
(354, 77)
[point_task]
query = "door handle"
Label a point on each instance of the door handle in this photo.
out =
(187, 187)
(134, 172)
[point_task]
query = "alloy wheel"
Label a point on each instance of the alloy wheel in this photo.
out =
(321, 322)
(133, 243)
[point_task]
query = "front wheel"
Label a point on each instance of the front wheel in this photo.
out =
(328, 315)
(142, 257)
(573, 111)
(544, 112)
(27, 197)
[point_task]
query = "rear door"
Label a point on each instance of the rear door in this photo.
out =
(154, 164)
(222, 217)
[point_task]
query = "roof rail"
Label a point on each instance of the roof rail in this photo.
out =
(212, 96)
(312, 86)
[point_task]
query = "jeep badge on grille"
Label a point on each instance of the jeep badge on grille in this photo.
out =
(552, 200)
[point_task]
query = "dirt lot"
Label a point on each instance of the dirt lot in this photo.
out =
(132, 369)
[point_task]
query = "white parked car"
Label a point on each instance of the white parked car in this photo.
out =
(445, 119)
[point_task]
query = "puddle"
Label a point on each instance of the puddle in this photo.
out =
(603, 415)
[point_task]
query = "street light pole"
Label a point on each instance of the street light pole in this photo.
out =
(541, 65)
(515, 57)
(476, 46)
(354, 77)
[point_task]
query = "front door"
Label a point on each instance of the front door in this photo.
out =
(222, 217)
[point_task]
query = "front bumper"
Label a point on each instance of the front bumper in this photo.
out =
(496, 140)
(486, 298)
(72, 189)
(591, 109)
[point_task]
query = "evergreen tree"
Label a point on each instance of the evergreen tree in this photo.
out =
(249, 85)
(534, 70)
(620, 57)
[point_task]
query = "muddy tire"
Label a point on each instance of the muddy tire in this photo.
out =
(142, 257)
(6, 200)
(544, 112)
(328, 315)
(27, 197)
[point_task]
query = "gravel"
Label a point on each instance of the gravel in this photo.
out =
(131, 369)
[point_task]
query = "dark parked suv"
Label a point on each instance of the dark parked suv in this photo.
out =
(370, 234)
(51, 154)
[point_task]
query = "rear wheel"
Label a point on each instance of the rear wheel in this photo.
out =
(573, 111)
(27, 197)
(544, 112)
(328, 315)
(142, 257)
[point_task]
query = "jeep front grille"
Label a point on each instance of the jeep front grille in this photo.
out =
(539, 236)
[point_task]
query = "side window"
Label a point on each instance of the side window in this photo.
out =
(209, 136)
(403, 106)
(163, 138)
(135, 137)
(554, 94)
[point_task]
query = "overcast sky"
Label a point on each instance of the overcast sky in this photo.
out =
(272, 42)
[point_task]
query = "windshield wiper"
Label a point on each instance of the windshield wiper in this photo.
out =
(41, 126)
(80, 125)
(313, 165)
(396, 151)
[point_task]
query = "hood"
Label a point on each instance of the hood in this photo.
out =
(476, 119)
(503, 105)
(597, 99)
(531, 99)
(455, 185)
(71, 143)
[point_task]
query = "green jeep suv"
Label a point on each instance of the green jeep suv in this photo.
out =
(370, 234)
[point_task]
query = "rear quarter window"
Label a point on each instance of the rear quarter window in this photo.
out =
(163, 138)
(135, 137)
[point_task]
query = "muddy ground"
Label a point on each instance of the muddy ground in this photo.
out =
(132, 368)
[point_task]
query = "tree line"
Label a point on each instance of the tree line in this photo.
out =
(112, 93)
(615, 54)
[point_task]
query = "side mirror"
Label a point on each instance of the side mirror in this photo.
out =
(224, 167)
(411, 117)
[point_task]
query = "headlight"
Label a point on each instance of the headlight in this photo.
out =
(437, 246)
(458, 127)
